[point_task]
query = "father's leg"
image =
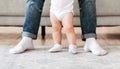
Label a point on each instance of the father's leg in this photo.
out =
(88, 26)
(31, 25)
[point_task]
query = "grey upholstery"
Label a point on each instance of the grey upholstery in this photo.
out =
(12, 12)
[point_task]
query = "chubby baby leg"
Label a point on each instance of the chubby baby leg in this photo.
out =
(56, 28)
(68, 27)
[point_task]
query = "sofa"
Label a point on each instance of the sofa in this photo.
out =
(12, 13)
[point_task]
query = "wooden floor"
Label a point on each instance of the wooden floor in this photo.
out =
(40, 58)
(107, 36)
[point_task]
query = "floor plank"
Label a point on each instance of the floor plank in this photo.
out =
(106, 36)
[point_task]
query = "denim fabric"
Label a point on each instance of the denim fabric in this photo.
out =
(88, 18)
(32, 18)
(34, 11)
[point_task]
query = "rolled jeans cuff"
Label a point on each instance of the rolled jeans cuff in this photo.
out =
(90, 35)
(27, 34)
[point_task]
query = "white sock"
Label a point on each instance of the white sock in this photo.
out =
(73, 49)
(92, 45)
(25, 44)
(56, 48)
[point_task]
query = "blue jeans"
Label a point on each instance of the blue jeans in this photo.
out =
(88, 18)
(32, 18)
(34, 11)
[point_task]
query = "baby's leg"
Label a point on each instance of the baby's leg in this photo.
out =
(56, 28)
(67, 22)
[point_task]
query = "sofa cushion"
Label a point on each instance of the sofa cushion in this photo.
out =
(17, 7)
(12, 7)
(108, 7)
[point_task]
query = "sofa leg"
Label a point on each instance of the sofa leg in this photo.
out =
(43, 32)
